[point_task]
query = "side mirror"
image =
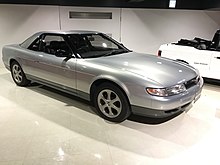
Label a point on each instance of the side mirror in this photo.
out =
(122, 44)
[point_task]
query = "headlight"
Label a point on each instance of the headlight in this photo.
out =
(173, 90)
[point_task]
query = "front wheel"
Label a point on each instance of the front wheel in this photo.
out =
(18, 75)
(111, 103)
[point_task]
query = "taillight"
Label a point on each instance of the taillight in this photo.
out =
(159, 53)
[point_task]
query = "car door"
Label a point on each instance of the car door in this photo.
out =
(201, 61)
(54, 62)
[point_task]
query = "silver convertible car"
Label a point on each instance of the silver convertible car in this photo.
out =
(97, 68)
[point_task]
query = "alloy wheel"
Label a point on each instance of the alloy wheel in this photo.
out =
(109, 103)
(17, 73)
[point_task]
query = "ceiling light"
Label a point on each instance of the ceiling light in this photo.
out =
(172, 4)
(135, 0)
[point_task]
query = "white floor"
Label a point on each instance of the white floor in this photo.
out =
(41, 127)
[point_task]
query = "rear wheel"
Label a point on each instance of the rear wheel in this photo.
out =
(111, 103)
(18, 74)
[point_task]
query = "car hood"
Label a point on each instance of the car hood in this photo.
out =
(161, 70)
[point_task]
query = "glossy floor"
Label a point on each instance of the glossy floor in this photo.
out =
(40, 126)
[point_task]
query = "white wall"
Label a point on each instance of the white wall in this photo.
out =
(144, 30)
(109, 26)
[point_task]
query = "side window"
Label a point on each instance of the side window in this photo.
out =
(35, 45)
(98, 41)
(55, 45)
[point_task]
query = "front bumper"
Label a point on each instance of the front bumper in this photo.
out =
(167, 106)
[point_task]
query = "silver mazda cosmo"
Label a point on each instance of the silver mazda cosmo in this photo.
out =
(93, 66)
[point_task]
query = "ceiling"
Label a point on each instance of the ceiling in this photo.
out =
(159, 4)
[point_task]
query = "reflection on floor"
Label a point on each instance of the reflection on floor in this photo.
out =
(40, 126)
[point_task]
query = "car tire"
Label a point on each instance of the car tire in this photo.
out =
(111, 103)
(18, 74)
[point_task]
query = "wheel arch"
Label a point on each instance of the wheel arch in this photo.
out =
(11, 61)
(115, 82)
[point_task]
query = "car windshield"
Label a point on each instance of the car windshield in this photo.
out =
(95, 45)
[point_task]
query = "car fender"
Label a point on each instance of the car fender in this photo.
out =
(9, 54)
(113, 79)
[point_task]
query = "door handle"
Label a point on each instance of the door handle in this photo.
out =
(218, 58)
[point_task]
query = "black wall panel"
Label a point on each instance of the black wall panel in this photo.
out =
(160, 4)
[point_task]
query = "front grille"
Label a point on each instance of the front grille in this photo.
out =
(192, 82)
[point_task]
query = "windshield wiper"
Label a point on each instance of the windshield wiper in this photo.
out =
(118, 51)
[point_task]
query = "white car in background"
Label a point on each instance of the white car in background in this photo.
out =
(202, 54)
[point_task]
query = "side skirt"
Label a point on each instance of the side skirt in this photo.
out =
(59, 87)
